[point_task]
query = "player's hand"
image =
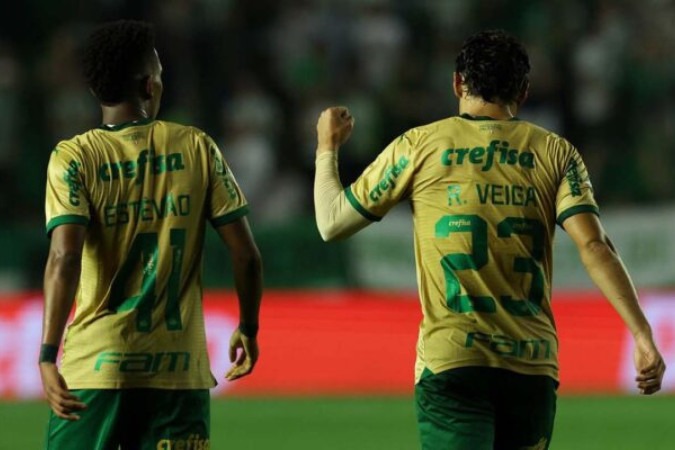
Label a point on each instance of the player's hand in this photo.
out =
(243, 355)
(649, 365)
(334, 127)
(63, 403)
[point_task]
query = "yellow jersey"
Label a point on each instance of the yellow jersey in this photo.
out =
(485, 197)
(144, 190)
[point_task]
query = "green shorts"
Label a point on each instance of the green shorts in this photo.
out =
(138, 419)
(483, 408)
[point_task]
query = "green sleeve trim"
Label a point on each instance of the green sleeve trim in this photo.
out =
(577, 210)
(66, 219)
(230, 217)
(357, 206)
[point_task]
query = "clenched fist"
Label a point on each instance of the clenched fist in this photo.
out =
(333, 128)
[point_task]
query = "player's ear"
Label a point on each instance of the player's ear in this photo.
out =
(524, 92)
(457, 81)
(146, 86)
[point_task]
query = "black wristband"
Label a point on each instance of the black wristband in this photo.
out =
(48, 353)
(248, 330)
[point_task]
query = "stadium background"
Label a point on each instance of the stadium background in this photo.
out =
(339, 320)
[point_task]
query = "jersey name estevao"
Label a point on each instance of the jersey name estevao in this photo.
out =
(485, 197)
(144, 190)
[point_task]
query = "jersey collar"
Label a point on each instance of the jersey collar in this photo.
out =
(470, 117)
(124, 125)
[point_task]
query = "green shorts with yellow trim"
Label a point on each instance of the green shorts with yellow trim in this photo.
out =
(138, 419)
(484, 408)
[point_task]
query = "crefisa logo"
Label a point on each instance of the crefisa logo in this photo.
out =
(192, 442)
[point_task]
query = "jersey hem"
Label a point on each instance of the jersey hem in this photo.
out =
(230, 217)
(73, 219)
(138, 385)
(553, 373)
(359, 207)
(576, 210)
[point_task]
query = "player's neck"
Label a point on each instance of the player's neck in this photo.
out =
(478, 107)
(124, 112)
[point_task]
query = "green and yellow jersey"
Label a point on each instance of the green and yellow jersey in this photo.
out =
(485, 198)
(144, 190)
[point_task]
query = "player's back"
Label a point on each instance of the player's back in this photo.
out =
(144, 190)
(485, 196)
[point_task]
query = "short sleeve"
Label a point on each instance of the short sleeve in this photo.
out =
(385, 182)
(66, 200)
(226, 201)
(575, 192)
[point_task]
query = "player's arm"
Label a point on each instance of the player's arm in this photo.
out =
(335, 218)
(604, 266)
(61, 278)
(248, 280)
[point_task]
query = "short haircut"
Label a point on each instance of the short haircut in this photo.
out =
(115, 57)
(494, 66)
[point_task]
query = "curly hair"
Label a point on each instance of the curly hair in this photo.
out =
(494, 66)
(114, 56)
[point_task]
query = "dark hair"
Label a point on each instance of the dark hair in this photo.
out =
(114, 56)
(494, 66)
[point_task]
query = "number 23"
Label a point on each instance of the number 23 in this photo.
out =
(478, 257)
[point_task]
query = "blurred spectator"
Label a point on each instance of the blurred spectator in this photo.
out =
(545, 84)
(10, 76)
(298, 52)
(179, 25)
(251, 121)
(380, 38)
(70, 108)
(597, 64)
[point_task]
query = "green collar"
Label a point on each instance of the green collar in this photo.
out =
(124, 125)
(470, 117)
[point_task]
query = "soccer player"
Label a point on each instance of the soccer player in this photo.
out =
(126, 208)
(486, 191)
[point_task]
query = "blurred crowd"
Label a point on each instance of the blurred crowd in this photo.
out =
(255, 74)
